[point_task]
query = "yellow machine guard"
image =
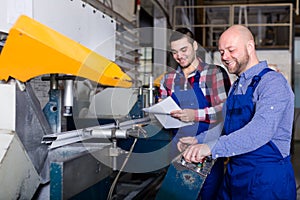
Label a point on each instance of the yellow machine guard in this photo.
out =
(157, 80)
(33, 49)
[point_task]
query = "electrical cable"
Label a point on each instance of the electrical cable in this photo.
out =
(109, 196)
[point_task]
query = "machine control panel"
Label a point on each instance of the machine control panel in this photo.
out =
(203, 168)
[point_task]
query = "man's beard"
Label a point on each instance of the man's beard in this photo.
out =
(186, 66)
(242, 64)
(190, 59)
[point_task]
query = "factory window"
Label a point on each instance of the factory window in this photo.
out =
(271, 24)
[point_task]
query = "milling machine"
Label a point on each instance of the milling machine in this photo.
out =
(40, 161)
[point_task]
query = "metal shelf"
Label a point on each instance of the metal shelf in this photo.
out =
(271, 24)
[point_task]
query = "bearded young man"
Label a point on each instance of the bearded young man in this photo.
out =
(200, 89)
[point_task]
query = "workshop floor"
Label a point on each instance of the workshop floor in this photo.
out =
(296, 166)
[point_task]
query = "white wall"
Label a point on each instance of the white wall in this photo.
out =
(279, 59)
(75, 19)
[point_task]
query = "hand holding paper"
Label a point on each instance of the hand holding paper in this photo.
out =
(185, 115)
(162, 112)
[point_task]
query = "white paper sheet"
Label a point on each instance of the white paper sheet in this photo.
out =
(162, 111)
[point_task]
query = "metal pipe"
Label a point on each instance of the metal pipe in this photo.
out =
(53, 81)
(107, 133)
(297, 7)
(68, 98)
(151, 90)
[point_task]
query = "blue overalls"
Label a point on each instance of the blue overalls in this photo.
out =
(193, 98)
(260, 174)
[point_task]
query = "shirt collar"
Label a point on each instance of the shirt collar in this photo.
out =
(254, 70)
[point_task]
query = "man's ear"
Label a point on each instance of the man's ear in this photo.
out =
(251, 46)
(195, 45)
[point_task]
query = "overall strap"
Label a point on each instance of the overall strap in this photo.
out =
(234, 87)
(196, 80)
(256, 79)
(202, 101)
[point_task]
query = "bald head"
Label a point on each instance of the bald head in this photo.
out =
(239, 32)
(237, 48)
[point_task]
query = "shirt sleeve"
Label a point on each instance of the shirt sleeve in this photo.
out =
(274, 110)
(210, 137)
(218, 84)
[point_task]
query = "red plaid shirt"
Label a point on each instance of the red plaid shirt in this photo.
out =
(214, 83)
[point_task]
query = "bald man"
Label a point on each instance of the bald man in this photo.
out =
(257, 130)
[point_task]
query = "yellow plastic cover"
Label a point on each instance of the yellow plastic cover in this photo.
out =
(33, 49)
(157, 80)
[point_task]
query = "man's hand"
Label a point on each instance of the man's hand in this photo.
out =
(196, 152)
(186, 115)
(185, 142)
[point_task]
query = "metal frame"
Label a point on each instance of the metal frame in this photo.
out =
(231, 18)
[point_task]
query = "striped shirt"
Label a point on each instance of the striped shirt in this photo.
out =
(214, 83)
